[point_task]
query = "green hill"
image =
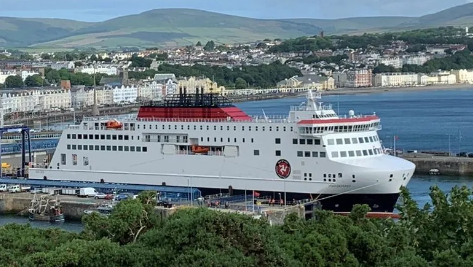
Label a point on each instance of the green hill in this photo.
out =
(170, 27)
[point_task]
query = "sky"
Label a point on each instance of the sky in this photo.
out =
(99, 10)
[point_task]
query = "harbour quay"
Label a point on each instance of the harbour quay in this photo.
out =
(446, 165)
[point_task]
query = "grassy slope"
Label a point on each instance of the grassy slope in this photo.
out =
(187, 26)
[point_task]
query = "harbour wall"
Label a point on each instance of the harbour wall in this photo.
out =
(445, 165)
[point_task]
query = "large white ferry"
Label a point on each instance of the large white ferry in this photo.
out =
(203, 141)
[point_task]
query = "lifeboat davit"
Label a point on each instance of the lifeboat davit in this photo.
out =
(114, 124)
(200, 149)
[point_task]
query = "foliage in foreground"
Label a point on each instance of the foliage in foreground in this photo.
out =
(440, 234)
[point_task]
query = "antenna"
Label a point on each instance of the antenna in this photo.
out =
(264, 115)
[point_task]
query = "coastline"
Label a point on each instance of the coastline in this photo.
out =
(373, 90)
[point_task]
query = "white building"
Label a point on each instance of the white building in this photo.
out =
(5, 74)
(463, 76)
(25, 73)
(395, 79)
(125, 94)
(109, 70)
(62, 65)
(29, 100)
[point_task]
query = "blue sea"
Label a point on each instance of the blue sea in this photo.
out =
(439, 120)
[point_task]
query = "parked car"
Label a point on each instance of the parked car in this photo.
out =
(124, 196)
(103, 196)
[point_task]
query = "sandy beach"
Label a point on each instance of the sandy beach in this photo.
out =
(372, 90)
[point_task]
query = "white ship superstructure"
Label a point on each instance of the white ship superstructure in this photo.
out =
(312, 153)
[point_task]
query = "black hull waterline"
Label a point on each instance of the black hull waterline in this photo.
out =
(336, 203)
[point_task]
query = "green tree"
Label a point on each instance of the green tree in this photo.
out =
(209, 46)
(34, 80)
(240, 83)
(198, 43)
(13, 81)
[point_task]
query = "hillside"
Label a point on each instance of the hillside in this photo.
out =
(171, 27)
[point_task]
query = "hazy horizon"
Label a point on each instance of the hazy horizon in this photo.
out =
(100, 10)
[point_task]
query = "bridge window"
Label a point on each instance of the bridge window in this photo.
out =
(294, 141)
(145, 149)
(354, 140)
(371, 152)
(310, 141)
(120, 137)
(316, 141)
(256, 152)
(120, 148)
(366, 140)
(114, 137)
(91, 147)
(109, 137)
(126, 148)
(360, 139)
(351, 153)
(371, 139)
(339, 141)
(365, 152)
(102, 148)
(74, 147)
(307, 154)
(73, 136)
(358, 153)
(126, 137)
(300, 154)
(334, 154)
(91, 136)
(79, 147)
(114, 148)
(85, 136)
(343, 154)
(301, 141)
(97, 147)
(330, 142)
(79, 136)
(138, 149)
(323, 154)
(86, 147)
(68, 136)
(109, 148)
(347, 141)
(315, 154)
(68, 146)
(132, 149)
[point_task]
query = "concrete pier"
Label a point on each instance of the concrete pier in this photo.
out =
(446, 165)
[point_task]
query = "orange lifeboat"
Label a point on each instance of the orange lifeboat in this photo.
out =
(200, 149)
(114, 124)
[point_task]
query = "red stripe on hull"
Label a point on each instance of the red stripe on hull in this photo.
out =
(363, 119)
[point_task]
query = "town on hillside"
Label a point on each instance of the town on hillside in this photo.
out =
(63, 80)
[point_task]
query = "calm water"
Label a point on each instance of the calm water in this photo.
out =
(421, 120)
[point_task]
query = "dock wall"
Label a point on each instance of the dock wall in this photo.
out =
(446, 165)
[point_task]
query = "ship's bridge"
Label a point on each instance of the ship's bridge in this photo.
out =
(315, 119)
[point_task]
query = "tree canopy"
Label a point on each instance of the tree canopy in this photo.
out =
(438, 234)
(261, 76)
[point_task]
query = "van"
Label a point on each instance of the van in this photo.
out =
(3, 188)
(87, 192)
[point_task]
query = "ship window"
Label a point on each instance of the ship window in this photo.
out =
(91, 136)
(68, 146)
(91, 147)
(278, 153)
(315, 154)
(360, 139)
(351, 153)
(188, 127)
(109, 148)
(208, 139)
(68, 136)
(334, 154)
(300, 154)
(310, 141)
(330, 142)
(215, 139)
(138, 126)
(137, 138)
(126, 137)
(371, 152)
(79, 147)
(242, 128)
(284, 128)
(292, 128)
(365, 152)
(325, 175)
(256, 152)
(301, 141)
(251, 140)
(74, 147)
(339, 141)
(371, 139)
(262, 128)
(102, 148)
(169, 127)
(208, 128)
(277, 128)
(234, 128)
(354, 140)
(221, 140)
(347, 141)
(249, 128)
(277, 140)
(228, 128)
(270, 128)
(307, 154)
(120, 148)
(120, 137)
(343, 154)
(294, 141)
(201, 139)
(358, 153)
(228, 139)
(138, 149)
(353, 176)
(145, 149)
(366, 140)
(86, 147)
(323, 154)
(102, 137)
(114, 148)
(97, 147)
(63, 159)
(73, 136)
(256, 128)
(126, 148)
(114, 137)
(235, 140)
(243, 140)
(132, 148)
(108, 137)
(79, 136)
(340, 175)
(316, 141)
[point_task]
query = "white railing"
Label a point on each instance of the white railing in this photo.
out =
(304, 107)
